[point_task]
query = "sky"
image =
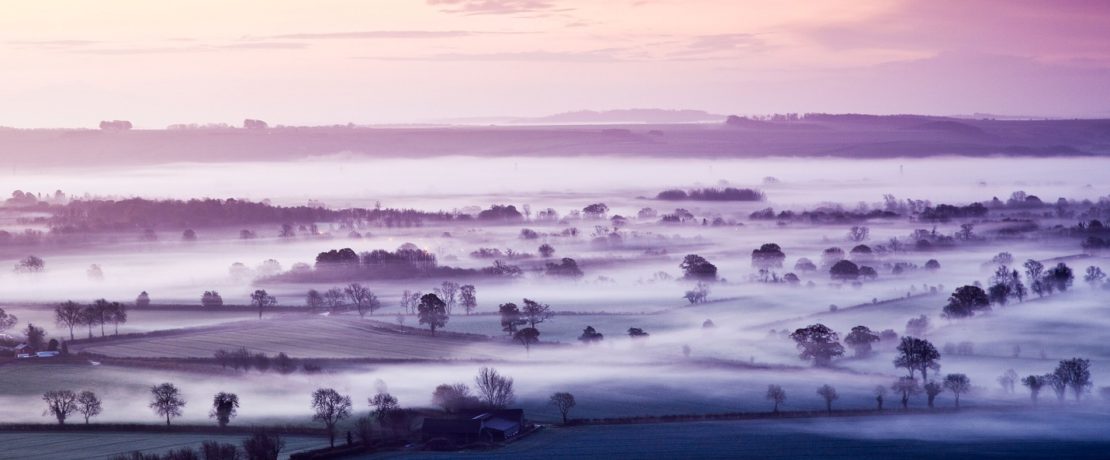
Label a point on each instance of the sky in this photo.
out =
(72, 63)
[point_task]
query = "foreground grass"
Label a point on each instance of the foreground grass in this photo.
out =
(100, 445)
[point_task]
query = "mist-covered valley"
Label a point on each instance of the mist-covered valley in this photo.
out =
(650, 290)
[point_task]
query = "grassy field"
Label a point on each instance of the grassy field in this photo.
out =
(959, 435)
(344, 336)
(77, 445)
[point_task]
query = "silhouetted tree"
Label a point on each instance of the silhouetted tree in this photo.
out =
(590, 335)
(35, 337)
(819, 343)
(776, 395)
(468, 297)
(700, 293)
(916, 354)
(362, 298)
(768, 256)
(804, 265)
(1034, 383)
(546, 250)
(384, 405)
(88, 405)
(432, 311)
(495, 389)
(188, 235)
(696, 267)
(917, 327)
(965, 301)
(143, 300)
(510, 317)
(535, 312)
(1094, 276)
(60, 404)
(211, 299)
(829, 394)
(261, 299)
(932, 389)
(166, 401)
(263, 445)
(1075, 373)
(527, 337)
(224, 407)
(30, 264)
(860, 339)
(448, 291)
(844, 270)
(329, 408)
(637, 333)
(563, 402)
(333, 298)
(932, 265)
(68, 315)
(958, 384)
(1007, 380)
(314, 299)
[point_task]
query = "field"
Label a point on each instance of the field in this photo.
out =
(910, 437)
(299, 337)
(102, 445)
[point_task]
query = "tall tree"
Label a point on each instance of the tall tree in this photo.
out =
(468, 297)
(563, 402)
(527, 337)
(261, 299)
(329, 408)
(932, 389)
(432, 311)
(1034, 383)
(1075, 373)
(907, 386)
(916, 354)
(88, 405)
(449, 291)
(965, 301)
(89, 317)
(958, 384)
(819, 343)
(224, 407)
(510, 317)
(495, 389)
(829, 394)
(314, 299)
(68, 315)
(166, 401)
(60, 404)
(362, 298)
(535, 312)
(117, 314)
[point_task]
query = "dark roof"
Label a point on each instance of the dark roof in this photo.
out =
(451, 426)
(511, 414)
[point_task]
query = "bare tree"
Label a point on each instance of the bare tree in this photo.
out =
(454, 397)
(776, 395)
(496, 390)
(68, 315)
(224, 407)
(563, 402)
(385, 405)
(333, 298)
(468, 296)
(117, 314)
(314, 299)
(958, 384)
(880, 395)
(1075, 373)
(60, 404)
(829, 394)
(362, 298)
(449, 291)
(917, 355)
(167, 401)
(262, 445)
(88, 404)
(330, 407)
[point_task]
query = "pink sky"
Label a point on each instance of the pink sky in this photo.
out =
(75, 62)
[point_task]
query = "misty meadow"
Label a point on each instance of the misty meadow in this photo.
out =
(461, 229)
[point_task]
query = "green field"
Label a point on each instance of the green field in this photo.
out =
(102, 445)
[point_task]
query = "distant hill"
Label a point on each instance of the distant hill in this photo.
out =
(854, 136)
(626, 116)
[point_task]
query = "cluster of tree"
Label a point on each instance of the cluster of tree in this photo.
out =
(532, 314)
(712, 194)
(567, 267)
(946, 212)
(261, 445)
(245, 360)
(407, 261)
(1074, 374)
(63, 403)
(71, 314)
(823, 215)
(695, 267)
(139, 213)
(699, 294)
(30, 264)
(500, 213)
(354, 294)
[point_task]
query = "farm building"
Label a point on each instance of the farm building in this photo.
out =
(491, 426)
(24, 351)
